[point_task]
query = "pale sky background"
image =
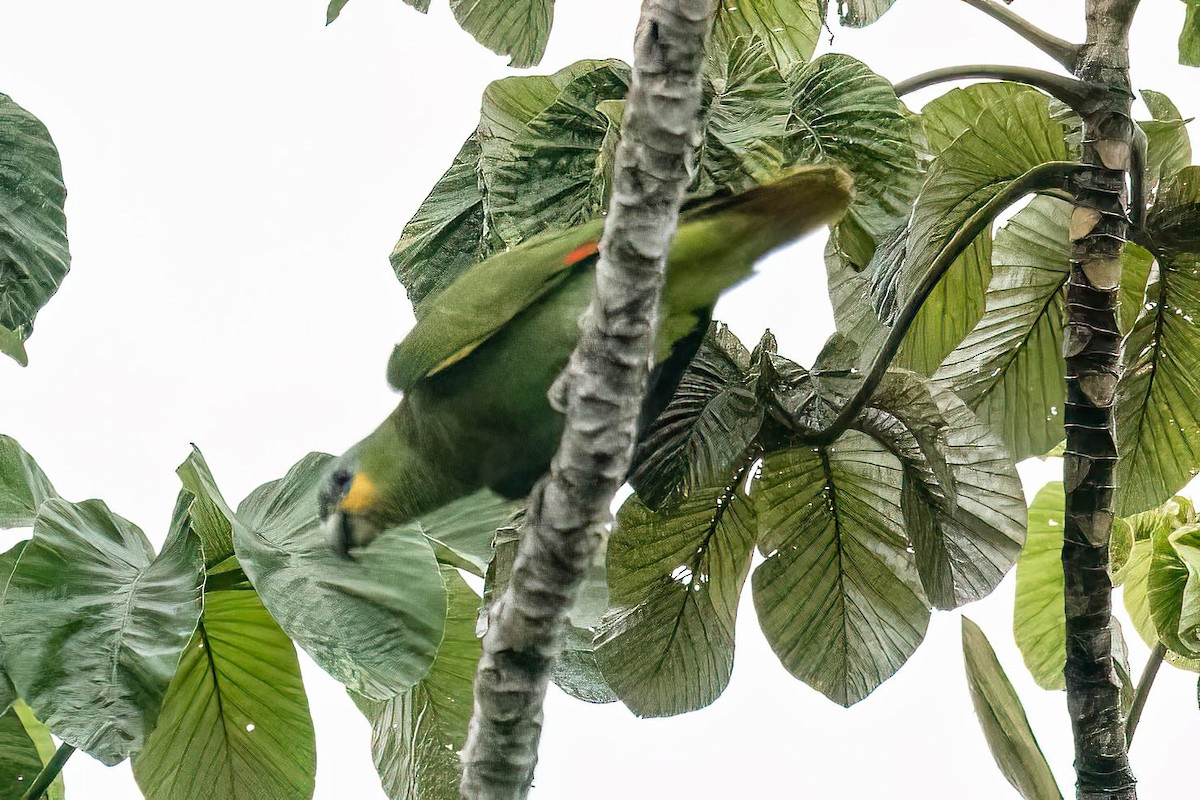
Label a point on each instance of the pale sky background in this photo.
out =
(238, 174)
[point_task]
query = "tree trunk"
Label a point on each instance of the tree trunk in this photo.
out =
(1099, 227)
(602, 387)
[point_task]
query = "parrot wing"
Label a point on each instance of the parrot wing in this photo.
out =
(716, 246)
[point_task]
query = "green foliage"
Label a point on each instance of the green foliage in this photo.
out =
(1003, 720)
(94, 623)
(25, 747)
(921, 508)
(235, 719)
(1039, 618)
(789, 28)
(33, 227)
(23, 485)
(838, 597)
(675, 582)
(858, 13)
(416, 735)
(1189, 37)
(387, 606)
(1168, 147)
(517, 28)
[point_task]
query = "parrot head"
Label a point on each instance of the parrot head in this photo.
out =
(346, 501)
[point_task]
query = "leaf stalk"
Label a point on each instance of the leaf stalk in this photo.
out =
(49, 772)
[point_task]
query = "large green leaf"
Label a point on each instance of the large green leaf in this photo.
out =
(1003, 720)
(710, 421)
(745, 110)
(1189, 37)
(25, 748)
(456, 226)
(844, 112)
(23, 485)
(666, 645)
(1174, 588)
(1174, 221)
(790, 28)
(94, 624)
(1135, 578)
(373, 623)
(335, 8)
(556, 169)
(235, 722)
(416, 736)
(462, 532)
(1158, 421)
(1039, 618)
(858, 13)
(517, 28)
(1010, 136)
(964, 509)
(207, 512)
(1168, 148)
(1010, 367)
(34, 257)
(838, 597)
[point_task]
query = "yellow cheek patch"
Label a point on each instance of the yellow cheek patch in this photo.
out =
(362, 496)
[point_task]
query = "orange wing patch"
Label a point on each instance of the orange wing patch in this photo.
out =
(580, 253)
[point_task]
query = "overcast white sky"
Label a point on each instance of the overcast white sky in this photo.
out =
(238, 174)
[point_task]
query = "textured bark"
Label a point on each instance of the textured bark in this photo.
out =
(602, 392)
(1092, 344)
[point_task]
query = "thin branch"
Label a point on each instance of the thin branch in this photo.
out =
(49, 772)
(1044, 176)
(1143, 690)
(1072, 91)
(604, 384)
(1060, 50)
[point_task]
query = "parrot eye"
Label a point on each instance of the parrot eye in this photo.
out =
(335, 488)
(341, 480)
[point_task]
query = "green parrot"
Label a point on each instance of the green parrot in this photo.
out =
(477, 368)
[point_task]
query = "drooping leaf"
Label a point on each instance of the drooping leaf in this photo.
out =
(94, 624)
(461, 532)
(1158, 421)
(838, 597)
(1039, 618)
(1174, 588)
(335, 8)
(517, 28)
(1135, 579)
(373, 623)
(1003, 720)
(858, 13)
(23, 485)
(666, 645)
(745, 114)
(235, 722)
(1011, 136)
(1189, 37)
(844, 112)
(416, 736)
(789, 28)
(966, 525)
(1010, 367)
(1168, 147)
(447, 234)
(34, 257)
(25, 748)
(1137, 265)
(710, 421)
(556, 171)
(206, 509)
(1174, 221)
